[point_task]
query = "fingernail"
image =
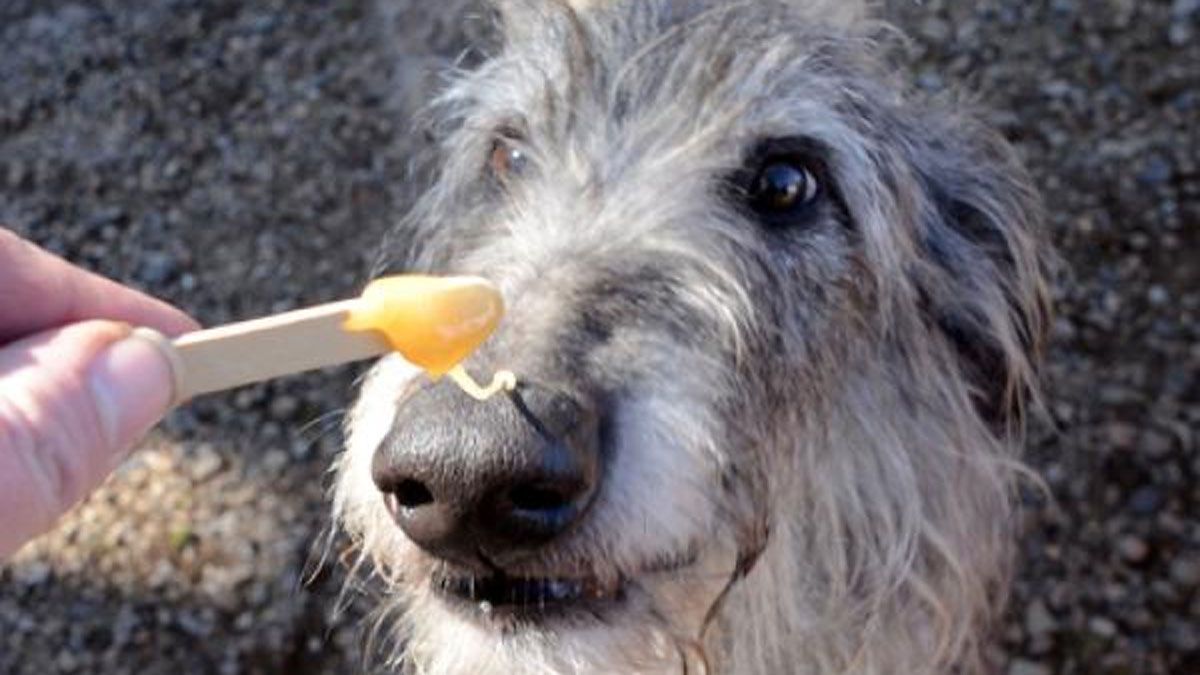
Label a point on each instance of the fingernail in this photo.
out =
(131, 384)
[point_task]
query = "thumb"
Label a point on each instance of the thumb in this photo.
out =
(72, 401)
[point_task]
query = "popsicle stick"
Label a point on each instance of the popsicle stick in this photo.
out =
(260, 349)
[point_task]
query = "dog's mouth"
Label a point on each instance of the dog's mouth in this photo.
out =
(527, 595)
(498, 595)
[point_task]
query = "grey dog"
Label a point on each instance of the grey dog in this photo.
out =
(776, 324)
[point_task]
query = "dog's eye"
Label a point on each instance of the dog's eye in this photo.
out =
(782, 187)
(507, 159)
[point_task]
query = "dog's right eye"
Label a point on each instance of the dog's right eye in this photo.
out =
(507, 159)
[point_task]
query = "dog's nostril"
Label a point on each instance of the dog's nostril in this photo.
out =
(410, 494)
(534, 497)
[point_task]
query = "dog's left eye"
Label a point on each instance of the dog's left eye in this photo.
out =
(783, 186)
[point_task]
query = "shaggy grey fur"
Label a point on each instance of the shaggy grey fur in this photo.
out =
(814, 417)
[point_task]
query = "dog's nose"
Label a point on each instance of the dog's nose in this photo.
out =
(467, 480)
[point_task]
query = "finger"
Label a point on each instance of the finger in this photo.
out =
(72, 401)
(42, 291)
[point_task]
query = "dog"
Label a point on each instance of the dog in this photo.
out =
(776, 323)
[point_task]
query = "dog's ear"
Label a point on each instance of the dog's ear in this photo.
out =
(517, 8)
(520, 19)
(982, 274)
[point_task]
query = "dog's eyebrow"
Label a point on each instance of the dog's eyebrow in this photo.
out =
(513, 128)
(507, 123)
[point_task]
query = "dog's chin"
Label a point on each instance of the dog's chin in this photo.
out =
(519, 600)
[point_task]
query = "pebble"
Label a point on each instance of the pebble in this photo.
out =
(1180, 33)
(275, 460)
(1182, 9)
(31, 574)
(935, 29)
(1183, 635)
(1156, 171)
(248, 397)
(1158, 296)
(283, 406)
(1023, 667)
(157, 268)
(1102, 626)
(1121, 435)
(1154, 444)
(1185, 571)
(1133, 549)
(1146, 500)
(203, 462)
(1038, 619)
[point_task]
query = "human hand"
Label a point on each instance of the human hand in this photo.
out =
(77, 389)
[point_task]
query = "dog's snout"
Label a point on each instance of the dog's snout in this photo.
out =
(466, 479)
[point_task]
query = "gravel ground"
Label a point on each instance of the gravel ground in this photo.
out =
(241, 158)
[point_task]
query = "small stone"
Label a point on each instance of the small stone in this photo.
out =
(275, 460)
(1121, 435)
(1064, 6)
(1146, 500)
(192, 624)
(1182, 635)
(1114, 593)
(1155, 444)
(157, 268)
(1181, 9)
(1116, 395)
(930, 81)
(203, 463)
(1133, 549)
(302, 449)
(66, 661)
(1023, 667)
(935, 30)
(31, 574)
(1038, 619)
(1057, 89)
(1158, 296)
(1102, 626)
(271, 430)
(283, 407)
(1185, 571)
(1179, 33)
(18, 172)
(247, 398)
(1156, 171)
(106, 216)
(1064, 329)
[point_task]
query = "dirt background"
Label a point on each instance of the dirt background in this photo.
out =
(243, 158)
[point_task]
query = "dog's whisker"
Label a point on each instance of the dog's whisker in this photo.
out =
(325, 418)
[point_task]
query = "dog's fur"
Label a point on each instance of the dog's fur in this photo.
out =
(814, 423)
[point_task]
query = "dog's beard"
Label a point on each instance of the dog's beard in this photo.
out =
(630, 591)
(643, 632)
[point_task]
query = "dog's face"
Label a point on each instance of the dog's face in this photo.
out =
(732, 255)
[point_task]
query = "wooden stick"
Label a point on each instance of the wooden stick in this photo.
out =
(251, 351)
(434, 322)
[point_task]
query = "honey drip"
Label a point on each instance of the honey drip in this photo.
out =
(502, 380)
